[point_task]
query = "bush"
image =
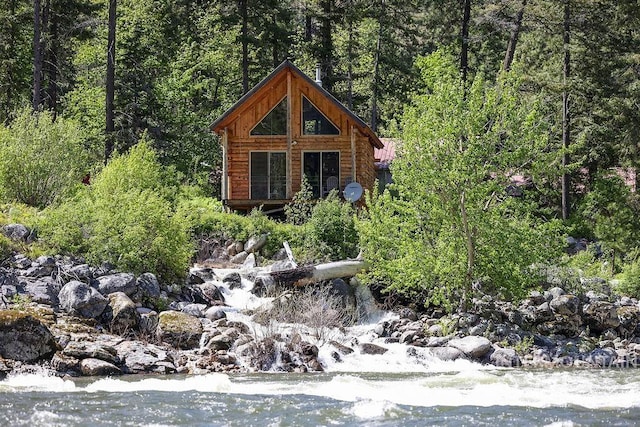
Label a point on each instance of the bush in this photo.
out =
(41, 160)
(125, 217)
(330, 233)
(6, 248)
(630, 278)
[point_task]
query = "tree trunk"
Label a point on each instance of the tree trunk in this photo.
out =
(110, 83)
(464, 53)
(374, 81)
(244, 36)
(301, 276)
(513, 40)
(37, 56)
(52, 63)
(565, 114)
(326, 44)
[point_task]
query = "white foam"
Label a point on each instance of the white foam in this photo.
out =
(37, 382)
(216, 383)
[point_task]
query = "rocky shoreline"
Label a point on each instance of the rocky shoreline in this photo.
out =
(66, 317)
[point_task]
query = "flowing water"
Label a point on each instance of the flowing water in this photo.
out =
(397, 388)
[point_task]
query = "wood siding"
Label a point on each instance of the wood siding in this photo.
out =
(253, 110)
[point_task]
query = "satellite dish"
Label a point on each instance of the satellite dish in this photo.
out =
(352, 192)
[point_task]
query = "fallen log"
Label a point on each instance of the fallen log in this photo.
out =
(301, 276)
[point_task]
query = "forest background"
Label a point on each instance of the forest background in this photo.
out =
(540, 89)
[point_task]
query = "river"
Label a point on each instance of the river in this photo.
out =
(398, 388)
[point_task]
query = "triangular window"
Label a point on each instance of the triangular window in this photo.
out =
(314, 122)
(275, 122)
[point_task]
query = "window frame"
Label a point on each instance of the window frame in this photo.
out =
(269, 152)
(315, 135)
(251, 135)
(322, 179)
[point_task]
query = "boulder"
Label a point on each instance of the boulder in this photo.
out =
(211, 294)
(504, 357)
(9, 286)
(44, 291)
(602, 357)
(250, 261)
(18, 232)
(215, 313)
(232, 280)
(97, 367)
(179, 329)
(445, 353)
(629, 316)
(91, 350)
(239, 258)
(255, 243)
(65, 364)
(79, 298)
(80, 272)
(564, 304)
(472, 346)
(24, 338)
(369, 348)
(124, 316)
(148, 286)
(600, 316)
(139, 357)
(119, 282)
(195, 310)
(148, 323)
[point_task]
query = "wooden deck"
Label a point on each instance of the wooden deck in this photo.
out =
(268, 205)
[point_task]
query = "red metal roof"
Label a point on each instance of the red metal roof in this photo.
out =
(383, 156)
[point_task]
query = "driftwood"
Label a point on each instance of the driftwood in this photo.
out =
(301, 276)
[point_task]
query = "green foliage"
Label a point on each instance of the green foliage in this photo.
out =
(331, 233)
(452, 223)
(41, 160)
(630, 278)
(6, 248)
(125, 217)
(299, 210)
(612, 212)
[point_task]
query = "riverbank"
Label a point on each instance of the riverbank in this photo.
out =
(66, 317)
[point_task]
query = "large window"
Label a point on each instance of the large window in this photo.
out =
(314, 122)
(268, 175)
(322, 169)
(275, 122)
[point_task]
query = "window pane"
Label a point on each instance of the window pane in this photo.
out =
(275, 122)
(330, 171)
(259, 175)
(314, 122)
(312, 172)
(278, 176)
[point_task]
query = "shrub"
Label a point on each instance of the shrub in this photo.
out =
(41, 159)
(6, 248)
(299, 210)
(331, 233)
(125, 217)
(630, 278)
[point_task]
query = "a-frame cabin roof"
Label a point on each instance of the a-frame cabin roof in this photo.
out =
(228, 116)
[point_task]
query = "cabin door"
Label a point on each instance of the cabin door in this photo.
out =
(268, 175)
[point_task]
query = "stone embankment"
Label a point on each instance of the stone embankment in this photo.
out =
(74, 319)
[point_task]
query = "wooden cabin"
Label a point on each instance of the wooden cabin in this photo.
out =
(287, 126)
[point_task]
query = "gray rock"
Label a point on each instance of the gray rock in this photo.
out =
(148, 323)
(43, 266)
(369, 348)
(124, 316)
(239, 258)
(119, 282)
(148, 285)
(629, 317)
(9, 286)
(201, 275)
(471, 346)
(567, 305)
(214, 313)
(43, 291)
(222, 341)
(80, 272)
(600, 316)
(195, 310)
(343, 349)
(97, 367)
(553, 293)
(232, 280)
(93, 350)
(283, 265)
(446, 353)
(79, 298)
(179, 329)
(603, 357)
(255, 243)
(18, 232)
(211, 294)
(505, 357)
(139, 357)
(65, 364)
(250, 261)
(24, 338)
